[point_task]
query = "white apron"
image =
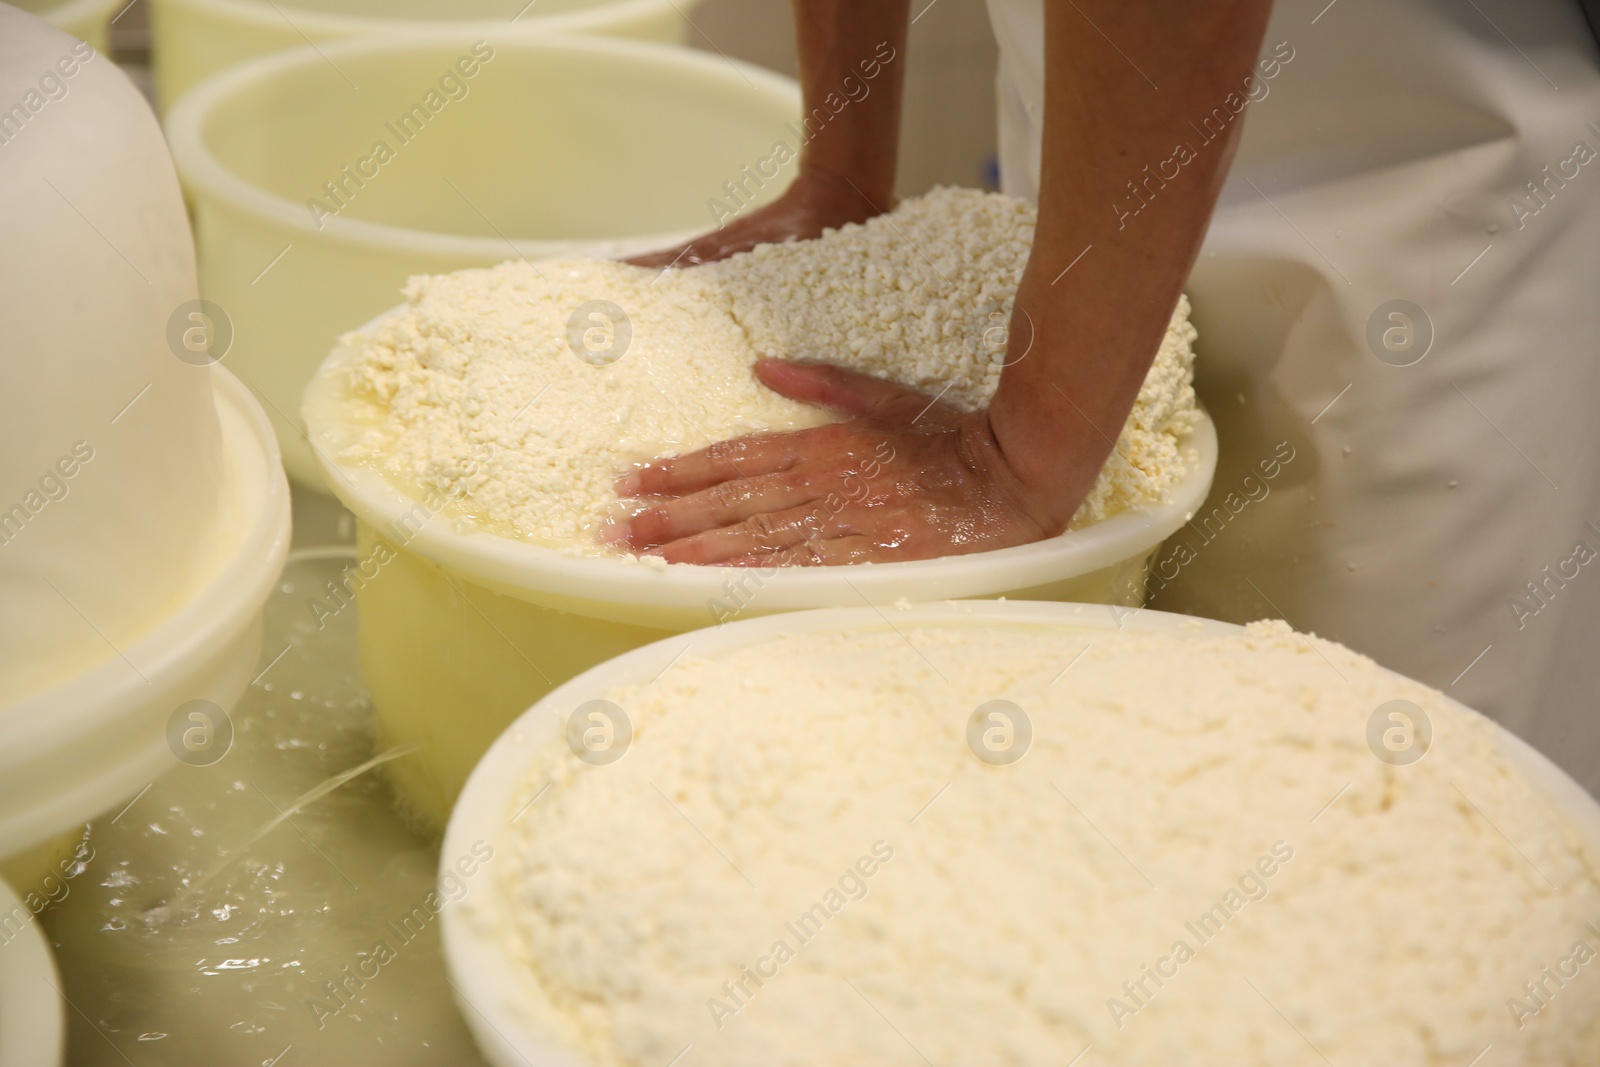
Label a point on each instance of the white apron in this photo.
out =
(1440, 514)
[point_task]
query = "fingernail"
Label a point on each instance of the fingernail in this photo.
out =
(628, 485)
(614, 532)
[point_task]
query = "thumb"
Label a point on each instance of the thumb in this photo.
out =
(832, 387)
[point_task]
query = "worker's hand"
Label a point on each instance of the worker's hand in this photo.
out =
(815, 201)
(904, 477)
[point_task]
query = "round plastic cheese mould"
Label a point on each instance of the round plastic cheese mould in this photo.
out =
(108, 440)
(33, 1025)
(193, 39)
(314, 201)
(87, 20)
(499, 998)
(79, 749)
(145, 514)
(461, 629)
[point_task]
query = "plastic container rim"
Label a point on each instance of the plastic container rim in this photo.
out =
(204, 174)
(588, 20)
(518, 567)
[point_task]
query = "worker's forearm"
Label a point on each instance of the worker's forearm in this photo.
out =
(852, 56)
(1144, 101)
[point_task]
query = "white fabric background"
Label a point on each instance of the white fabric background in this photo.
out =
(1380, 166)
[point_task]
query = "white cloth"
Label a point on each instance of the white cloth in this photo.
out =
(1386, 162)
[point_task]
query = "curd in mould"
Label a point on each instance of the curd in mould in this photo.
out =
(1198, 858)
(522, 391)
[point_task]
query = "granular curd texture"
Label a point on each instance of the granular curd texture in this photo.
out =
(511, 391)
(1199, 859)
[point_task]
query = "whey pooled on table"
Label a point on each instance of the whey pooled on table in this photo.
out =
(822, 850)
(522, 391)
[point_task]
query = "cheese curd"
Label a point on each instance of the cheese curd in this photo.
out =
(523, 390)
(811, 855)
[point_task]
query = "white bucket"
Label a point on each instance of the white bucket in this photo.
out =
(462, 629)
(33, 1023)
(192, 39)
(79, 748)
(559, 146)
(500, 999)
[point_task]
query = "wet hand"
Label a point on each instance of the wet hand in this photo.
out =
(903, 477)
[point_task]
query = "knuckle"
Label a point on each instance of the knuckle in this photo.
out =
(725, 495)
(764, 527)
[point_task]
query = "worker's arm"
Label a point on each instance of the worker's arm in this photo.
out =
(852, 60)
(1124, 81)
